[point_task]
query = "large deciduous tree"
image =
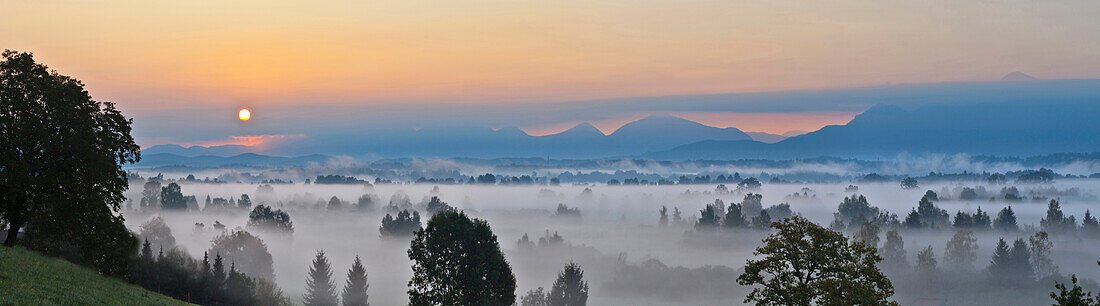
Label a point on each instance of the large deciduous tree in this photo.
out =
(457, 261)
(804, 263)
(61, 156)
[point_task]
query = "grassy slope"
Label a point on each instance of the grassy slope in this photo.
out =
(29, 278)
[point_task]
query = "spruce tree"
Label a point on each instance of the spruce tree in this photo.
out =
(893, 252)
(320, 290)
(1021, 260)
(1006, 220)
(1000, 266)
(355, 289)
(219, 273)
(569, 289)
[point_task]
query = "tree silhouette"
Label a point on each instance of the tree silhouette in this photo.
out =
(263, 217)
(61, 156)
(171, 197)
(893, 252)
(569, 289)
(355, 289)
(457, 261)
(804, 263)
(320, 289)
(961, 250)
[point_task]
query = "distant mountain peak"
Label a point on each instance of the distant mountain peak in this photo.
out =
(1017, 77)
(511, 131)
(583, 128)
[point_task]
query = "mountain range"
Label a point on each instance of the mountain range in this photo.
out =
(1025, 118)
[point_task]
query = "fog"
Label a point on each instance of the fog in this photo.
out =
(627, 258)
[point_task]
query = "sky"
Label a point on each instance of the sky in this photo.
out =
(198, 62)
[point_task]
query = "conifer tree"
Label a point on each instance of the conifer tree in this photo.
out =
(1000, 266)
(355, 289)
(893, 252)
(569, 289)
(1021, 260)
(320, 290)
(219, 272)
(1006, 220)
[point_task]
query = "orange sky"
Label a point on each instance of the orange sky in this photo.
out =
(153, 57)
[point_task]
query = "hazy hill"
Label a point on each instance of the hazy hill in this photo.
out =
(29, 278)
(885, 131)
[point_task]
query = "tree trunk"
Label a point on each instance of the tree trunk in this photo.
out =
(13, 233)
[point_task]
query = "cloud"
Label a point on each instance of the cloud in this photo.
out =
(246, 140)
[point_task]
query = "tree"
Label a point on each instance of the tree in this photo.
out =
(246, 251)
(980, 221)
(155, 231)
(749, 184)
(245, 202)
(762, 221)
(569, 289)
(1021, 260)
(534, 297)
(1089, 225)
(961, 250)
(708, 219)
(367, 202)
(804, 263)
(218, 272)
(909, 183)
(320, 289)
(1055, 221)
(1000, 266)
(405, 224)
(239, 287)
(435, 205)
(962, 221)
(893, 252)
(150, 194)
(61, 156)
(262, 217)
(912, 220)
(171, 197)
(334, 203)
(1073, 297)
(355, 289)
(752, 204)
(663, 221)
(868, 234)
(1011, 265)
(930, 215)
(1040, 248)
(734, 217)
(457, 261)
(926, 262)
(1006, 220)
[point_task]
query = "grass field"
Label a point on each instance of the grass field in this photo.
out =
(29, 278)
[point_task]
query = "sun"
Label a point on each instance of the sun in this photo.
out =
(244, 114)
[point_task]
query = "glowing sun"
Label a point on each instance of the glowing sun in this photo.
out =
(244, 114)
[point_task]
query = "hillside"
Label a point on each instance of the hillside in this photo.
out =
(29, 278)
